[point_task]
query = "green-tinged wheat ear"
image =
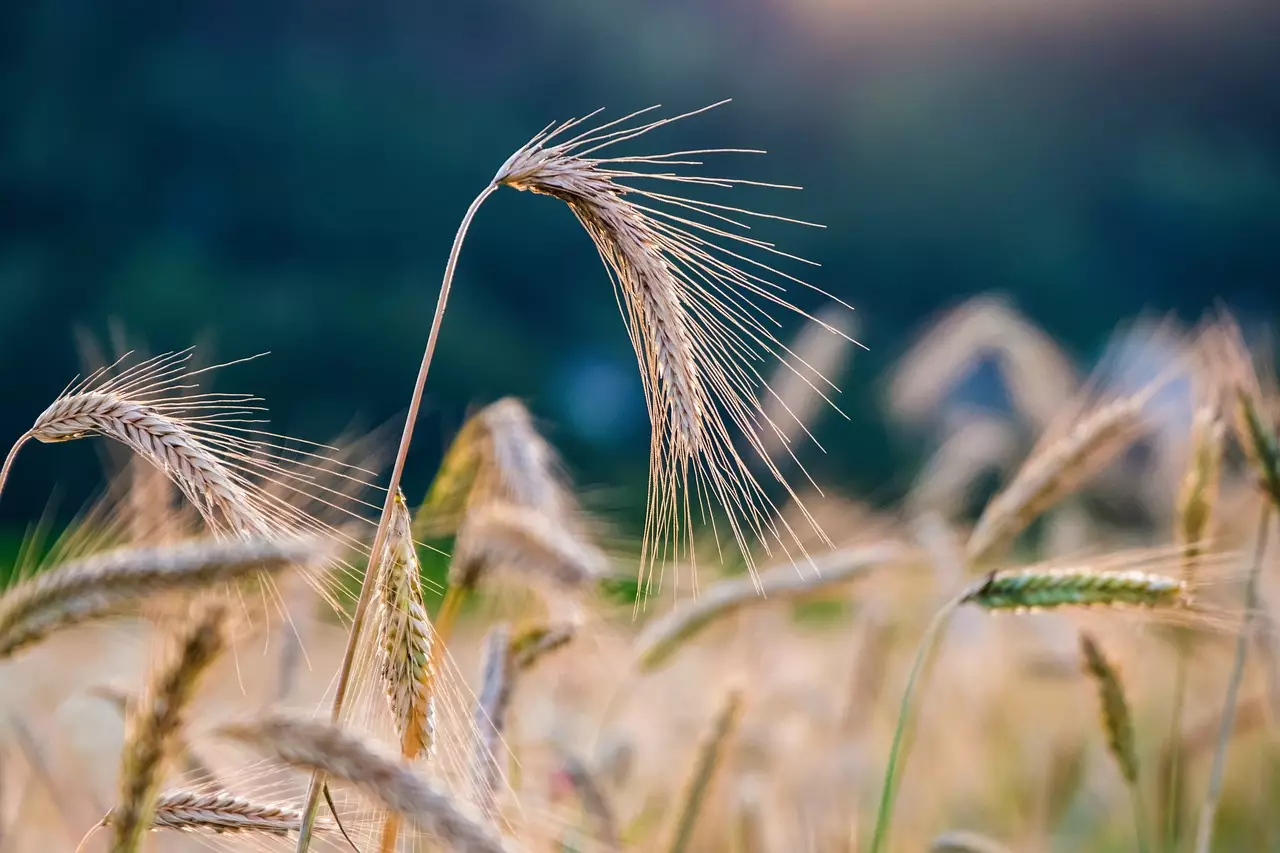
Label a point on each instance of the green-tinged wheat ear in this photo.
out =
(710, 755)
(1199, 491)
(155, 724)
(1117, 722)
(1048, 588)
(1258, 440)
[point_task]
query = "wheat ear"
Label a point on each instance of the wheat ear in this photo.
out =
(155, 723)
(664, 636)
(490, 718)
(107, 584)
(388, 779)
(501, 535)
(1117, 723)
(219, 812)
(1051, 474)
(1036, 589)
(709, 758)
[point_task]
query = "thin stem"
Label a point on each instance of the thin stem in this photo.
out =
(393, 487)
(884, 815)
(1172, 778)
(8, 460)
(1139, 823)
(1204, 833)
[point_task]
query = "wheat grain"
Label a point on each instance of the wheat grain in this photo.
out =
(1033, 589)
(343, 755)
(155, 722)
(109, 583)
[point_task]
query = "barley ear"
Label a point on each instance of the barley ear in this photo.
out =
(155, 724)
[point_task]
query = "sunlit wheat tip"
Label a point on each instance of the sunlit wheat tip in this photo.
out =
(1049, 588)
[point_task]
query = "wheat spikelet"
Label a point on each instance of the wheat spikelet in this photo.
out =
(662, 637)
(491, 717)
(696, 309)
(405, 638)
(156, 721)
(109, 583)
(537, 545)
(1033, 589)
(1051, 474)
(219, 812)
(1116, 719)
(344, 756)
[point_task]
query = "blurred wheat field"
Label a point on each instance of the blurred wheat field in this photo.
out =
(834, 676)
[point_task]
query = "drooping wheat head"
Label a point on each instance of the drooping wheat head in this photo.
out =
(1117, 722)
(528, 542)
(222, 812)
(1041, 589)
(696, 306)
(156, 721)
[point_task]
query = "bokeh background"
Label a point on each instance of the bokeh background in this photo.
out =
(287, 176)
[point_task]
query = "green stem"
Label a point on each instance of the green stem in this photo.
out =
(1204, 833)
(312, 806)
(884, 815)
(1172, 778)
(1139, 823)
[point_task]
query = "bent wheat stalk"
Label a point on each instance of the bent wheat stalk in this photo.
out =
(107, 584)
(315, 745)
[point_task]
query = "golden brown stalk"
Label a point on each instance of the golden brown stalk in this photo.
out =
(388, 779)
(1054, 472)
(662, 637)
(710, 754)
(153, 728)
(107, 584)
(193, 764)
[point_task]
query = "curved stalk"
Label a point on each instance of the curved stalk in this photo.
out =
(379, 538)
(933, 633)
(8, 460)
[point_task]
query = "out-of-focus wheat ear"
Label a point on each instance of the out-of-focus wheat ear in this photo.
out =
(1259, 442)
(1117, 722)
(390, 780)
(1117, 725)
(703, 773)
(530, 645)
(959, 841)
(156, 720)
(221, 812)
(697, 307)
(490, 720)
(113, 582)
(527, 541)
(1056, 470)
(193, 765)
(445, 504)
(664, 636)
(1042, 589)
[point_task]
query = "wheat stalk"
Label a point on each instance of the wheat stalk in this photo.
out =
(709, 758)
(1034, 589)
(107, 584)
(319, 746)
(155, 723)
(662, 637)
